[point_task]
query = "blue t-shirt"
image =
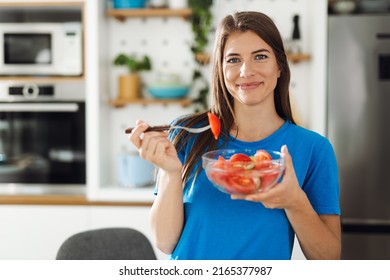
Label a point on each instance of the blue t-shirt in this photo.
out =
(217, 227)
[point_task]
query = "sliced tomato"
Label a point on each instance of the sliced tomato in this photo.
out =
(268, 179)
(221, 179)
(262, 155)
(215, 124)
(240, 158)
(220, 163)
(241, 161)
(243, 184)
(262, 159)
(218, 178)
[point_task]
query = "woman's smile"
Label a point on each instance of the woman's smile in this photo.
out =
(249, 86)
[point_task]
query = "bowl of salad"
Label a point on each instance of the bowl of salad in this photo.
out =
(244, 171)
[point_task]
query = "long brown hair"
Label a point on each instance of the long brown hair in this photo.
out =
(223, 101)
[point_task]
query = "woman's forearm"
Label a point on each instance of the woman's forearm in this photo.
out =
(319, 236)
(167, 213)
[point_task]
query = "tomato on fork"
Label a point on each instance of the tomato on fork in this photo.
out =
(215, 125)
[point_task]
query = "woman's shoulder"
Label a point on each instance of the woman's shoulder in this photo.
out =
(306, 137)
(305, 133)
(309, 145)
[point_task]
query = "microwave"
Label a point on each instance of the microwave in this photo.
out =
(41, 49)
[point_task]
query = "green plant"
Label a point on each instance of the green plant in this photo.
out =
(132, 63)
(201, 20)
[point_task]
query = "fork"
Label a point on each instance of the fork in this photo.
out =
(168, 127)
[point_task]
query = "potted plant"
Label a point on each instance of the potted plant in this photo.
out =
(130, 84)
(201, 20)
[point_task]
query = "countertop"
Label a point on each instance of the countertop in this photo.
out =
(63, 200)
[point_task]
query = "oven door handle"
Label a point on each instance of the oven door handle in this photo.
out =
(39, 107)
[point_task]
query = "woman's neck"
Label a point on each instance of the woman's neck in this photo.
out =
(254, 125)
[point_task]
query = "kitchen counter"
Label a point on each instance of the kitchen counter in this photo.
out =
(63, 200)
(75, 195)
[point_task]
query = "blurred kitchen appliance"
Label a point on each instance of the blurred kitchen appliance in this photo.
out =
(41, 49)
(42, 140)
(134, 171)
(358, 126)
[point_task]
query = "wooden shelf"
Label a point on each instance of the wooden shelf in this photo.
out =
(41, 79)
(122, 103)
(122, 14)
(296, 58)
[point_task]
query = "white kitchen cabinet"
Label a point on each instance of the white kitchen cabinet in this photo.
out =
(36, 232)
(30, 232)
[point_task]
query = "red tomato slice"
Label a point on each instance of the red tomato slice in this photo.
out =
(262, 158)
(240, 158)
(242, 161)
(269, 178)
(215, 124)
(243, 184)
(220, 163)
(221, 179)
(218, 178)
(262, 155)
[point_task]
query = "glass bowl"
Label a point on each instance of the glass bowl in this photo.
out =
(244, 171)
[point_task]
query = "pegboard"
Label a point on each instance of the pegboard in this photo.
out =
(166, 41)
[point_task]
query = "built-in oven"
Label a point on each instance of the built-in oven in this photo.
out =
(42, 141)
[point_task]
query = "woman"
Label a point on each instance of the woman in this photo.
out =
(250, 87)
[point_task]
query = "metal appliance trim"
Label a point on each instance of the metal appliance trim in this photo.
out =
(39, 107)
(351, 221)
(42, 189)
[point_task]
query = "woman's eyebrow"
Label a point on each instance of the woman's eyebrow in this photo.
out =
(231, 54)
(256, 51)
(260, 50)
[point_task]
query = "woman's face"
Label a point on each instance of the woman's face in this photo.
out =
(250, 68)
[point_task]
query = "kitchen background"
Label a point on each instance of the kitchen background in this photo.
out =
(36, 220)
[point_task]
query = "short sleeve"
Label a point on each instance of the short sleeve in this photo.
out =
(321, 184)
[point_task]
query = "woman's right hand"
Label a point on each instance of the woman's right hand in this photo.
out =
(155, 147)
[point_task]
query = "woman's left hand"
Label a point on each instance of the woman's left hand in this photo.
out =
(284, 195)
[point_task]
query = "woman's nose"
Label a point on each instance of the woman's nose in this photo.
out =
(246, 70)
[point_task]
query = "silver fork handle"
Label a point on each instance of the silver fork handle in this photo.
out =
(168, 127)
(192, 129)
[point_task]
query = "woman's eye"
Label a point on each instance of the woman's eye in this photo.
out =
(260, 57)
(233, 60)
